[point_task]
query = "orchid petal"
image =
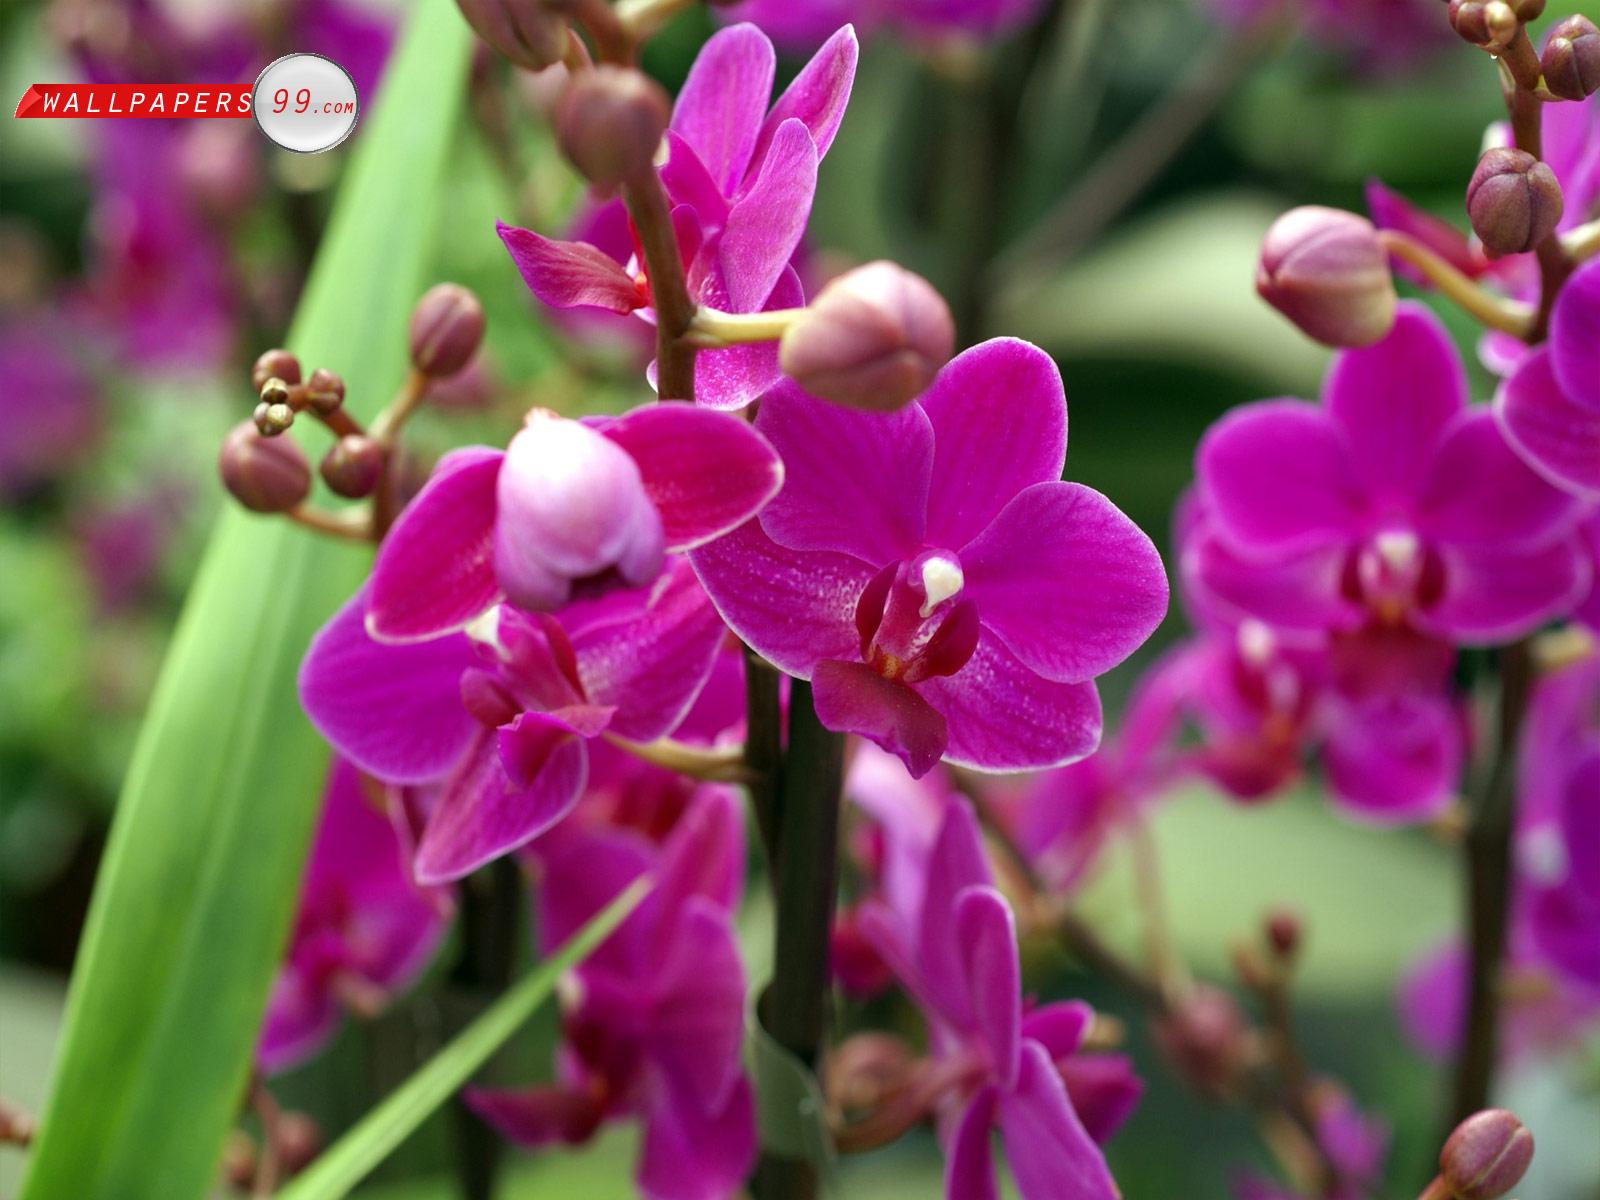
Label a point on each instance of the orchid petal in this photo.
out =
(691, 1153)
(1575, 334)
(818, 94)
(986, 933)
(853, 698)
(1049, 1152)
(721, 105)
(1505, 504)
(969, 1168)
(1394, 762)
(1492, 597)
(766, 223)
(1557, 438)
(736, 376)
(570, 274)
(697, 1021)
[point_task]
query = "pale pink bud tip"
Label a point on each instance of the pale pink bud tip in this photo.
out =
(1571, 59)
(873, 338)
(610, 121)
(1513, 201)
(1326, 270)
(266, 475)
(1486, 1155)
(446, 328)
(527, 32)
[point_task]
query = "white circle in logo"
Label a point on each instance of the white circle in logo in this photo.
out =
(305, 103)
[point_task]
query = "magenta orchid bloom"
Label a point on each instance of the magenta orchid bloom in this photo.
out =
(654, 1019)
(740, 178)
(956, 954)
(1549, 408)
(364, 930)
(945, 592)
(802, 25)
(502, 714)
(569, 509)
(1321, 518)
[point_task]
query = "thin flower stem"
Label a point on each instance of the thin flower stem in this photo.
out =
(353, 524)
(1488, 849)
(387, 425)
(697, 762)
(265, 1107)
(795, 1007)
(763, 750)
(710, 329)
(1521, 70)
(612, 41)
(1165, 964)
(1488, 310)
(669, 295)
(1582, 242)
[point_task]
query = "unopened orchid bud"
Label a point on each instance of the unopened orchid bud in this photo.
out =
(275, 364)
(1326, 270)
(352, 466)
(1204, 1038)
(1571, 59)
(272, 418)
(1491, 24)
(324, 392)
(573, 515)
(531, 34)
(1283, 931)
(446, 329)
(873, 338)
(610, 122)
(1486, 1156)
(296, 1140)
(865, 1069)
(265, 474)
(1513, 201)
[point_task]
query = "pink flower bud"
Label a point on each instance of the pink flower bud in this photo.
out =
(1486, 1155)
(324, 391)
(1326, 271)
(1513, 201)
(1571, 59)
(526, 31)
(1491, 24)
(873, 338)
(572, 515)
(275, 364)
(446, 329)
(265, 474)
(1204, 1038)
(352, 466)
(610, 121)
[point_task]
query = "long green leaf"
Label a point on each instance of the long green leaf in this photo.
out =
(197, 889)
(348, 1161)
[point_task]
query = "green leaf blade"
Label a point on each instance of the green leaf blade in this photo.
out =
(199, 879)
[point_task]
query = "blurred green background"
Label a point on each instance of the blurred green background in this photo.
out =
(1157, 329)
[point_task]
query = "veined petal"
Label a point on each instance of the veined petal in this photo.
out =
(570, 274)
(1557, 438)
(854, 481)
(689, 183)
(435, 569)
(1495, 596)
(720, 108)
(853, 698)
(1394, 400)
(1276, 477)
(393, 710)
(818, 95)
(794, 608)
(1066, 580)
(1059, 1027)
(999, 418)
(482, 816)
(969, 1167)
(956, 863)
(1049, 1152)
(1003, 717)
(706, 472)
(766, 223)
(1478, 492)
(986, 932)
(1575, 333)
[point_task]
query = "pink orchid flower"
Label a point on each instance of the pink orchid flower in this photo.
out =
(568, 510)
(363, 932)
(945, 592)
(740, 178)
(502, 714)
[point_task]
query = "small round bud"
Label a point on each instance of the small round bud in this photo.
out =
(1326, 270)
(1283, 931)
(1571, 59)
(527, 32)
(324, 391)
(296, 1139)
(1513, 201)
(610, 122)
(873, 338)
(1527, 10)
(352, 466)
(266, 475)
(1491, 24)
(275, 364)
(1486, 1156)
(446, 327)
(272, 419)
